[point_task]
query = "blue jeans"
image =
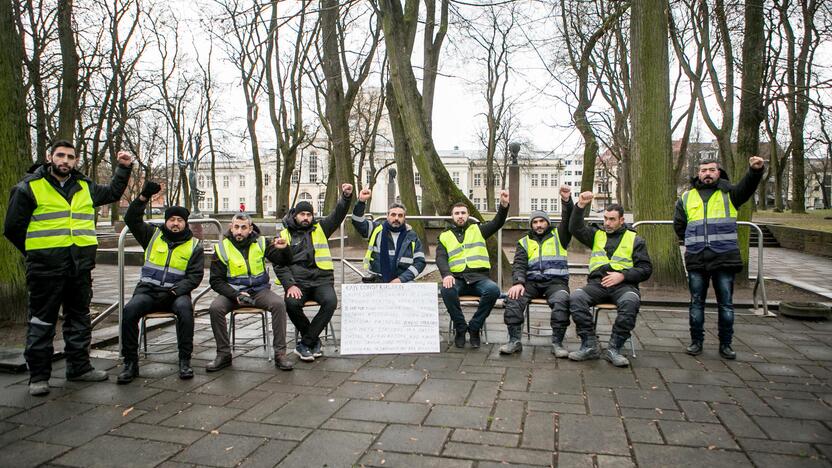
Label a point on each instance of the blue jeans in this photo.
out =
(723, 282)
(488, 292)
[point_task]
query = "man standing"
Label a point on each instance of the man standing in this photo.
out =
(310, 275)
(541, 269)
(617, 264)
(173, 267)
(706, 218)
(394, 253)
(462, 259)
(240, 277)
(51, 220)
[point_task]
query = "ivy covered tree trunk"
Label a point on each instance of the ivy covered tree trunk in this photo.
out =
(654, 194)
(68, 107)
(15, 157)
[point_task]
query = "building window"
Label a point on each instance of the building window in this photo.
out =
(417, 178)
(398, 199)
(242, 181)
(544, 204)
(243, 200)
(295, 177)
(266, 179)
(567, 183)
(210, 203)
(553, 203)
(305, 196)
(225, 181)
(419, 200)
(477, 202)
(568, 173)
(313, 168)
(535, 180)
(455, 177)
(225, 204)
(477, 180)
(321, 199)
(201, 181)
(579, 172)
(534, 204)
(554, 179)
(544, 180)
(369, 177)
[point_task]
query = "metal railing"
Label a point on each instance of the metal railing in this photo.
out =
(759, 283)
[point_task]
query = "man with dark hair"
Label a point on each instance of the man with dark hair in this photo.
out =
(462, 259)
(310, 275)
(706, 218)
(173, 267)
(240, 277)
(51, 221)
(617, 264)
(540, 269)
(394, 253)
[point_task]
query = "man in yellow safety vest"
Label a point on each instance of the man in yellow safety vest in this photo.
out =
(462, 260)
(51, 220)
(618, 262)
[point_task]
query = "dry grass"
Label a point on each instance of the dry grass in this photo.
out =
(813, 219)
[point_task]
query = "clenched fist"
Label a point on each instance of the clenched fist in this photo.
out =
(124, 158)
(280, 243)
(756, 162)
(585, 198)
(364, 194)
(565, 192)
(346, 190)
(150, 188)
(504, 199)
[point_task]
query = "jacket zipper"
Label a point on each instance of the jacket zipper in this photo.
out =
(167, 264)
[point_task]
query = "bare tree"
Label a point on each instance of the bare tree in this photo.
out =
(69, 71)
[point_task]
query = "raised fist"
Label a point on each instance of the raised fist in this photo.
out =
(364, 194)
(504, 199)
(280, 243)
(565, 192)
(346, 190)
(756, 162)
(585, 198)
(150, 188)
(124, 158)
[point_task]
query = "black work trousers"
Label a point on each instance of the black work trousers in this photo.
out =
(47, 294)
(556, 295)
(626, 297)
(143, 304)
(324, 295)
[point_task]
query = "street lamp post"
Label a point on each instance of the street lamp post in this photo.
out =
(514, 180)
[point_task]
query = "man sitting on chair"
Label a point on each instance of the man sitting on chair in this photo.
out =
(240, 277)
(617, 264)
(394, 253)
(173, 267)
(462, 259)
(540, 269)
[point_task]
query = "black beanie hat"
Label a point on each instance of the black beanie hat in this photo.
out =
(304, 206)
(180, 211)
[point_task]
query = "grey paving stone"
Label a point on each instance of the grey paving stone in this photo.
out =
(20, 431)
(498, 454)
(621, 378)
(164, 411)
(412, 439)
(158, 433)
(802, 409)
(699, 392)
(485, 437)
(443, 391)
(362, 390)
(25, 453)
(592, 434)
(735, 419)
(643, 430)
(696, 434)
(458, 416)
(351, 425)
(574, 460)
(268, 454)
(688, 457)
(547, 397)
(645, 399)
(126, 451)
(508, 416)
(200, 417)
(382, 459)
(435, 363)
(270, 431)
(799, 449)
(698, 411)
(656, 413)
(266, 407)
(769, 369)
(387, 375)
(107, 393)
(539, 431)
(95, 422)
(516, 379)
(234, 383)
(566, 408)
(607, 461)
(794, 430)
(601, 401)
(750, 402)
(306, 411)
(648, 378)
(768, 460)
(50, 413)
(220, 450)
(174, 383)
(702, 377)
(556, 381)
(484, 394)
(329, 448)
(383, 411)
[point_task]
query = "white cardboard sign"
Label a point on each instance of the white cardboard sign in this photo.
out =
(389, 318)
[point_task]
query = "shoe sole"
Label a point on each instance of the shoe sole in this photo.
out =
(285, 369)
(511, 352)
(730, 358)
(302, 358)
(186, 377)
(39, 393)
(123, 382)
(216, 369)
(691, 353)
(587, 358)
(607, 358)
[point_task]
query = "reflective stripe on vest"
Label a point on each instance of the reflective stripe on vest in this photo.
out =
(547, 261)
(712, 226)
(58, 223)
(373, 249)
(471, 253)
(162, 266)
(245, 273)
(622, 258)
(323, 258)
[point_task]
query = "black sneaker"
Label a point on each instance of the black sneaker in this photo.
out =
(316, 350)
(694, 349)
(185, 370)
(475, 338)
(304, 353)
(726, 351)
(459, 339)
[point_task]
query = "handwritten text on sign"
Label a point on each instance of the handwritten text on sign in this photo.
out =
(389, 318)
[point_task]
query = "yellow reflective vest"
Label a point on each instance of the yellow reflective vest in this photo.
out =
(245, 273)
(57, 222)
(165, 267)
(712, 226)
(323, 257)
(470, 253)
(622, 258)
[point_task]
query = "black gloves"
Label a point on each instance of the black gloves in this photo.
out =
(150, 188)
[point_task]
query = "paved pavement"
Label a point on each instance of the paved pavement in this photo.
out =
(806, 271)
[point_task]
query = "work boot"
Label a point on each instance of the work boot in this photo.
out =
(726, 352)
(91, 375)
(39, 388)
(475, 338)
(694, 349)
(589, 349)
(557, 344)
(613, 352)
(185, 370)
(129, 372)
(515, 343)
(220, 362)
(317, 350)
(283, 363)
(459, 337)
(303, 352)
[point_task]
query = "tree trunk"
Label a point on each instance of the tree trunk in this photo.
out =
(655, 193)
(15, 154)
(68, 107)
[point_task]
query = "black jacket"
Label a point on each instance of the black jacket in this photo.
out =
(60, 261)
(488, 229)
(740, 193)
(303, 271)
(521, 257)
(219, 270)
(642, 267)
(143, 232)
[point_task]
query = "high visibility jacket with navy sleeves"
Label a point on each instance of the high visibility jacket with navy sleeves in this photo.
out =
(711, 225)
(245, 273)
(165, 266)
(411, 259)
(547, 259)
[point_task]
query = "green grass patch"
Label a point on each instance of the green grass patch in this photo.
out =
(812, 219)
